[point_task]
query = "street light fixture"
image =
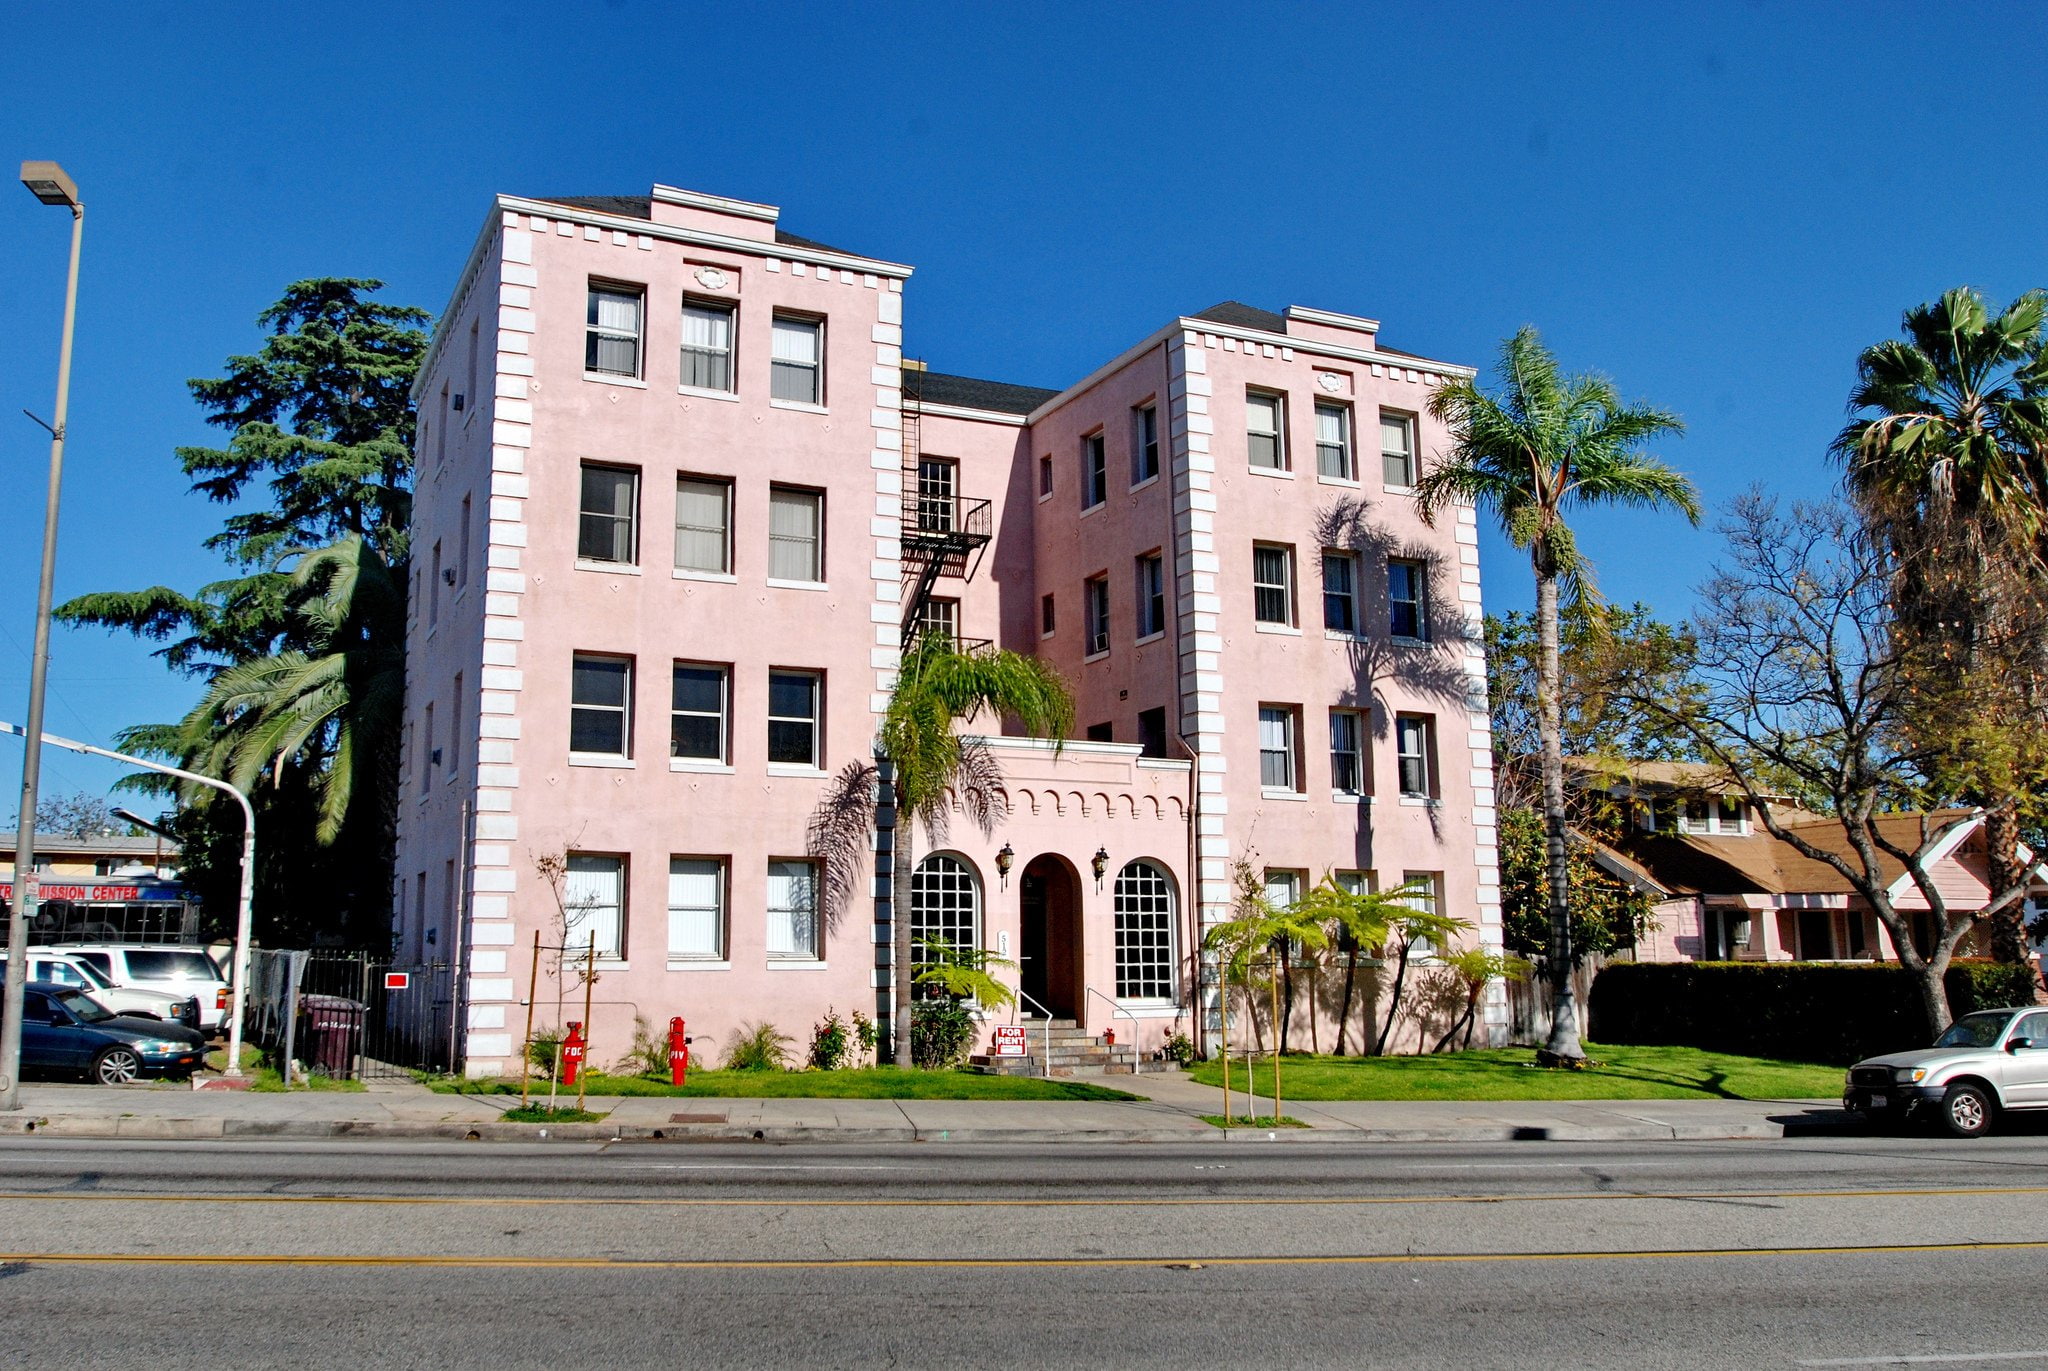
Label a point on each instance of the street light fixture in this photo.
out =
(48, 183)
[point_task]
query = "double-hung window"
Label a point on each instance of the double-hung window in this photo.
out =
(1405, 591)
(601, 706)
(793, 911)
(1397, 450)
(1265, 431)
(1340, 592)
(606, 518)
(796, 523)
(938, 495)
(707, 345)
(1277, 769)
(1144, 443)
(1347, 771)
(793, 698)
(939, 617)
(1151, 595)
(594, 905)
(1283, 888)
(1094, 471)
(1333, 442)
(1413, 744)
(1272, 583)
(797, 368)
(700, 703)
(611, 339)
(696, 908)
(703, 525)
(1095, 593)
(1425, 896)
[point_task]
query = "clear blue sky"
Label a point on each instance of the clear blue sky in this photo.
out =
(1718, 205)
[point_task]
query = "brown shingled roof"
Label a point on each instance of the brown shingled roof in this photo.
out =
(1698, 864)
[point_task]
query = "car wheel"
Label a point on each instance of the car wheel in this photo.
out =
(1966, 1110)
(117, 1066)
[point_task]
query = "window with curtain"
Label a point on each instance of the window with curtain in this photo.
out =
(1283, 888)
(1151, 594)
(796, 520)
(601, 706)
(699, 700)
(1264, 439)
(1144, 933)
(1144, 443)
(594, 895)
(604, 527)
(1340, 592)
(696, 908)
(611, 342)
(703, 525)
(707, 345)
(1397, 449)
(1413, 744)
(1347, 774)
(793, 911)
(797, 364)
(1333, 442)
(793, 719)
(1405, 582)
(1425, 898)
(1272, 584)
(1276, 747)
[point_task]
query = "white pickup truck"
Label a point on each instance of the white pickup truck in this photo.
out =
(133, 1001)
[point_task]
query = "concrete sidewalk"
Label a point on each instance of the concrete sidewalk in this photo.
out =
(1171, 1112)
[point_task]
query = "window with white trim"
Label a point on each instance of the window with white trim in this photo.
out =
(945, 904)
(939, 617)
(1397, 450)
(1278, 761)
(1340, 592)
(1407, 591)
(607, 515)
(796, 528)
(793, 698)
(793, 911)
(1426, 898)
(700, 704)
(1272, 583)
(707, 345)
(1151, 594)
(1095, 595)
(1265, 430)
(601, 706)
(1414, 742)
(797, 367)
(594, 905)
(938, 495)
(1094, 471)
(1283, 888)
(1144, 443)
(696, 908)
(611, 339)
(704, 525)
(1347, 752)
(1144, 933)
(1333, 442)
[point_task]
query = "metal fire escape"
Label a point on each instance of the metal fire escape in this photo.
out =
(944, 534)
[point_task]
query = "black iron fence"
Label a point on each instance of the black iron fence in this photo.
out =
(355, 1016)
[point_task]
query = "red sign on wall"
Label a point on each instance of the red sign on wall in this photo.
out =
(397, 980)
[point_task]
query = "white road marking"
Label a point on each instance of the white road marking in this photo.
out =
(751, 1166)
(1930, 1358)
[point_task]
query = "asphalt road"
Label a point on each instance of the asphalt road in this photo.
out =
(1846, 1251)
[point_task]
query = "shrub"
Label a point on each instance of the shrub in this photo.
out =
(866, 1035)
(648, 1056)
(830, 1042)
(941, 1031)
(1180, 1048)
(1795, 1011)
(757, 1047)
(540, 1053)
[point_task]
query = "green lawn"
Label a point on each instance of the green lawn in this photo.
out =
(875, 1083)
(1510, 1073)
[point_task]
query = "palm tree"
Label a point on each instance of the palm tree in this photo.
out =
(1543, 445)
(1944, 461)
(1355, 920)
(938, 688)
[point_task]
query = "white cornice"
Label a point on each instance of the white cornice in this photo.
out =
(1944, 846)
(717, 204)
(704, 238)
(463, 283)
(1101, 373)
(985, 416)
(1332, 318)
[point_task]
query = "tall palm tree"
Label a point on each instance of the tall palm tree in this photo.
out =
(1944, 461)
(1538, 447)
(938, 688)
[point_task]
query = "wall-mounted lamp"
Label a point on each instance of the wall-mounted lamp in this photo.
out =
(1005, 859)
(1101, 864)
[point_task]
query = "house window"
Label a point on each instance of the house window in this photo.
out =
(1347, 770)
(793, 911)
(1096, 592)
(793, 718)
(696, 908)
(601, 706)
(605, 522)
(1144, 443)
(796, 521)
(1094, 471)
(1333, 442)
(611, 343)
(939, 618)
(455, 725)
(1152, 732)
(1734, 814)
(797, 367)
(1144, 933)
(1283, 888)
(945, 905)
(1272, 583)
(1414, 741)
(428, 754)
(434, 589)
(1151, 595)
(707, 345)
(1277, 769)
(699, 712)
(594, 905)
(1048, 620)
(1397, 450)
(1405, 600)
(938, 489)
(1265, 440)
(1425, 896)
(1340, 592)
(1104, 732)
(462, 560)
(1044, 477)
(703, 525)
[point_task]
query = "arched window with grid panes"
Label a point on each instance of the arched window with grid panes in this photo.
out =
(1144, 933)
(945, 902)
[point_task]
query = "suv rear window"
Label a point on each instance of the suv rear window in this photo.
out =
(157, 964)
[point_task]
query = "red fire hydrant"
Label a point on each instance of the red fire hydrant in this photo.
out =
(572, 1053)
(678, 1053)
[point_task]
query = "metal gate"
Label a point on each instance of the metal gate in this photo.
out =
(410, 1012)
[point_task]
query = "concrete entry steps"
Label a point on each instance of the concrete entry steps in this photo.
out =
(1072, 1051)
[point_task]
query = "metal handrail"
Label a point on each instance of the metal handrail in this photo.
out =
(1045, 1058)
(1137, 1057)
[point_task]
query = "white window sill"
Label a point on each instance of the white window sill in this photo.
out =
(1349, 797)
(1151, 480)
(795, 964)
(1275, 793)
(700, 767)
(720, 578)
(809, 772)
(1095, 656)
(1400, 490)
(614, 568)
(1323, 480)
(798, 406)
(1094, 509)
(703, 394)
(1149, 638)
(1411, 642)
(1277, 473)
(1047, 634)
(629, 382)
(1043, 496)
(798, 585)
(599, 759)
(1284, 630)
(1338, 635)
(697, 964)
(1421, 802)
(1146, 1009)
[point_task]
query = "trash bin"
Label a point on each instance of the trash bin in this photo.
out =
(331, 1032)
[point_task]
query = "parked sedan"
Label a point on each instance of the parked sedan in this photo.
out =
(64, 1030)
(1985, 1063)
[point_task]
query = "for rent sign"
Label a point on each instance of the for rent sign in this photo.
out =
(1009, 1040)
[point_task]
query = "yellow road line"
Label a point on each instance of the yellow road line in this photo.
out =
(971, 1263)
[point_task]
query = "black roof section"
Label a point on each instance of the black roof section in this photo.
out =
(1243, 316)
(938, 388)
(641, 207)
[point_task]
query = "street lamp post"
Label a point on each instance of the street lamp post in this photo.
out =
(242, 919)
(48, 183)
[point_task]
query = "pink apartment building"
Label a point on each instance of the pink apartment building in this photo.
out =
(682, 502)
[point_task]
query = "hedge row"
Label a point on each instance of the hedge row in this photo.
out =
(1794, 1011)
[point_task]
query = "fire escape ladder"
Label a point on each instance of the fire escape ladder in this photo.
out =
(943, 534)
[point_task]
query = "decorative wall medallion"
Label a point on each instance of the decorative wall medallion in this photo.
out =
(1330, 381)
(711, 278)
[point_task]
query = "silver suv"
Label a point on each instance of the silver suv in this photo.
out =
(1985, 1063)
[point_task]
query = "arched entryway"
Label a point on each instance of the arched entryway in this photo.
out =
(1049, 918)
